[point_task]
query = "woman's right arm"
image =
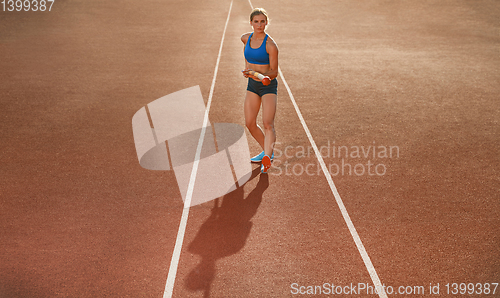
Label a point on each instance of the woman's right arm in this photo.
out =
(244, 39)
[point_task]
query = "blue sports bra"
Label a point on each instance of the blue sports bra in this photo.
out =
(256, 56)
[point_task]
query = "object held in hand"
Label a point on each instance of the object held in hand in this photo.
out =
(265, 79)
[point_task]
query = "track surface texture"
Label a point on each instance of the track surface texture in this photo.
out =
(408, 91)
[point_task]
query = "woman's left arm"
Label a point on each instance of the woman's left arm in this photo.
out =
(272, 50)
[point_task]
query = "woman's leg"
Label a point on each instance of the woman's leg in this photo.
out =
(269, 102)
(251, 108)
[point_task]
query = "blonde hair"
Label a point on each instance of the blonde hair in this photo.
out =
(257, 11)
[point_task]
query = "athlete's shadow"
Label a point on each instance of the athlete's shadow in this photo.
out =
(225, 232)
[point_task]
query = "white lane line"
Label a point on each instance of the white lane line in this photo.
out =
(340, 203)
(172, 272)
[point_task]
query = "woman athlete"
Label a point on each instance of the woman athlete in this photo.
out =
(261, 55)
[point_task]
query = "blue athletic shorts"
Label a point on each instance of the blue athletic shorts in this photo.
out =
(259, 88)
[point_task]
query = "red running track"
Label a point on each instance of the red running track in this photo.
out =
(80, 218)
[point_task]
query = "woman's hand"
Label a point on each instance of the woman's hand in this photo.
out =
(246, 73)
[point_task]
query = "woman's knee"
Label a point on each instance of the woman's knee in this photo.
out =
(251, 124)
(269, 125)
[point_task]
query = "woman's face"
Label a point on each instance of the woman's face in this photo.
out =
(259, 23)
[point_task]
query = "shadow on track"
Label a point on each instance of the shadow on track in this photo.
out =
(225, 232)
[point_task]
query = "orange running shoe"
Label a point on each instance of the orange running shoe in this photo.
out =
(266, 164)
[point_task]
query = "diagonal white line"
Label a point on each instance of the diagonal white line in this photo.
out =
(340, 203)
(172, 272)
